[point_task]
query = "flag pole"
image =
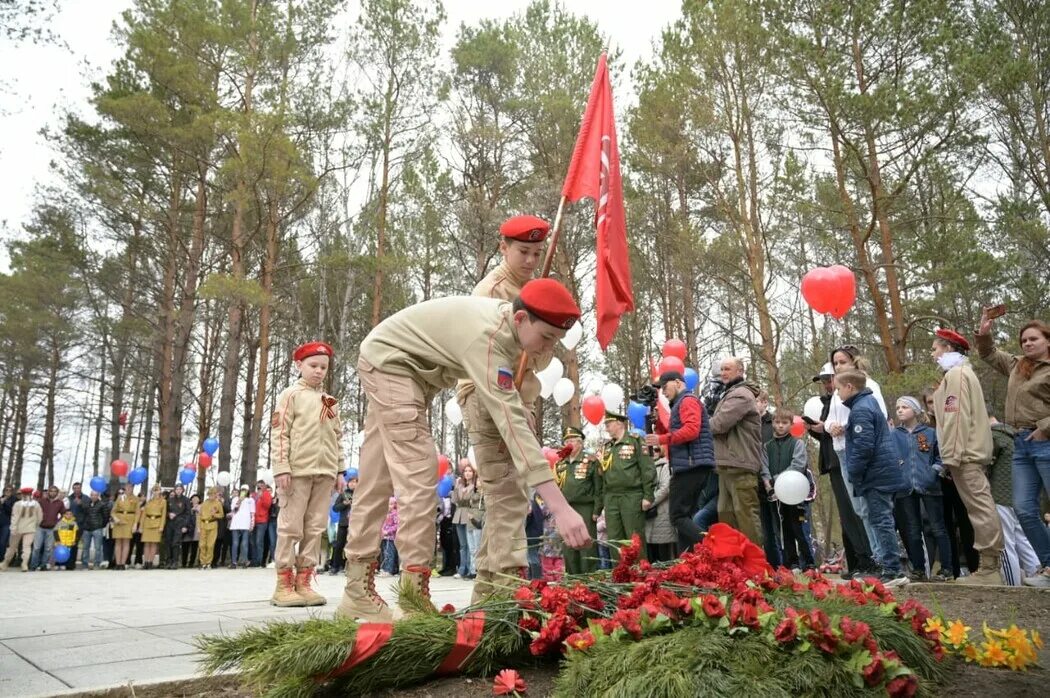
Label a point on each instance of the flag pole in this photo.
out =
(548, 261)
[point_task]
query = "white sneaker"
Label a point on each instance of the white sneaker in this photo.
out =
(457, 576)
(1040, 579)
(383, 573)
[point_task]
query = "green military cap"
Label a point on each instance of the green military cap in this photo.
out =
(611, 416)
(572, 433)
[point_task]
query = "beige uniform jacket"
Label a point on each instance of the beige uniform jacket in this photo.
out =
(26, 516)
(305, 433)
(964, 434)
(442, 341)
(502, 284)
(1027, 401)
(210, 515)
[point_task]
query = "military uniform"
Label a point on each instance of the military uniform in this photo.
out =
(151, 521)
(580, 481)
(123, 516)
(211, 513)
(505, 492)
(628, 477)
(403, 363)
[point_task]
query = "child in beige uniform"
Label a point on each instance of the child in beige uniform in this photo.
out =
(306, 458)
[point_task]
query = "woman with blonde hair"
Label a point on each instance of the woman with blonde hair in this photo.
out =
(123, 517)
(151, 524)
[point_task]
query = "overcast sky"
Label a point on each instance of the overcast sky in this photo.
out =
(40, 82)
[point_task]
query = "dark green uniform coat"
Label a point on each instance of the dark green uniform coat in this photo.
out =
(628, 477)
(580, 481)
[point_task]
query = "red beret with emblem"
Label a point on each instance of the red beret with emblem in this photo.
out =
(313, 349)
(525, 229)
(953, 337)
(551, 302)
(26, 490)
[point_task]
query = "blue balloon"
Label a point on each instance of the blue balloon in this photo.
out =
(636, 412)
(350, 474)
(61, 554)
(98, 484)
(138, 475)
(445, 486)
(692, 378)
(186, 476)
(210, 445)
(638, 432)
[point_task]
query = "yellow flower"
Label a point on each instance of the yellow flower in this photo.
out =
(1036, 640)
(1015, 662)
(971, 653)
(957, 633)
(993, 654)
(1019, 645)
(934, 624)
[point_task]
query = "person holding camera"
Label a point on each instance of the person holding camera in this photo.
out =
(690, 452)
(576, 474)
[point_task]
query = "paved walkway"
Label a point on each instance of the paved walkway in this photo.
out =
(62, 632)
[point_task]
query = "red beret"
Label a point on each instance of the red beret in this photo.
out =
(525, 228)
(26, 490)
(953, 337)
(313, 349)
(551, 302)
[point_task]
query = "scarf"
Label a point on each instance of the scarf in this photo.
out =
(949, 360)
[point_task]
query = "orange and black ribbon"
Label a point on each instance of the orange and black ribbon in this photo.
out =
(327, 404)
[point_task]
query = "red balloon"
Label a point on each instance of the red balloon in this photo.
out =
(551, 455)
(845, 291)
(593, 409)
(675, 348)
(818, 288)
(798, 427)
(204, 460)
(118, 468)
(443, 465)
(190, 466)
(671, 363)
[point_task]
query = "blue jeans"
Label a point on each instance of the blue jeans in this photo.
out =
(469, 541)
(43, 544)
(880, 517)
(391, 560)
(1031, 476)
(532, 554)
(260, 534)
(87, 540)
(239, 544)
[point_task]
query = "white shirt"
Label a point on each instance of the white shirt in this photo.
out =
(243, 514)
(838, 413)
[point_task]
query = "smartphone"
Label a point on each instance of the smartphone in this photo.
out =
(809, 420)
(996, 311)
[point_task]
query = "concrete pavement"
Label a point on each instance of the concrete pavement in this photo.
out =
(63, 632)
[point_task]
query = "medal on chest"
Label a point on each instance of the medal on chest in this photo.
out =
(582, 469)
(626, 452)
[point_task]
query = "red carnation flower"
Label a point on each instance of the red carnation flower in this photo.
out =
(786, 631)
(529, 623)
(713, 608)
(508, 682)
(825, 641)
(874, 672)
(742, 613)
(525, 598)
(448, 608)
(904, 686)
(581, 640)
(853, 631)
(629, 620)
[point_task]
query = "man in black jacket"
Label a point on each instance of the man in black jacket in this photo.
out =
(6, 505)
(180, 513)
(854, 539)
(94, 515)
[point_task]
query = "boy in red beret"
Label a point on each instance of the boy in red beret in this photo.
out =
(306, 457)
(521, 244)
(404, 362)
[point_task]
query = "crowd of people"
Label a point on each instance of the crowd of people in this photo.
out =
(937, 490)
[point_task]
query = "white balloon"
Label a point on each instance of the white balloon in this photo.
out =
(564, 389)
(594, 386)
(612, 396)
(813, 408)
(470, 457)
(554, 369)
(453, 412)
(223, 479)
(791, 487)
(546, 386)
(572, 336)
(266, 475)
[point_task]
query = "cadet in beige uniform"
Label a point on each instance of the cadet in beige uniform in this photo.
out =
(306, 458)
(503, 542)
(404, 362)
(211, 513)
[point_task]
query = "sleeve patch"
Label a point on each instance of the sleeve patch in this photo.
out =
(858, 429)
(951, 404)
(505, 379)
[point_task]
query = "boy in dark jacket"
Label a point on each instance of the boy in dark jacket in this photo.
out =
(785, 452)
(873, 467)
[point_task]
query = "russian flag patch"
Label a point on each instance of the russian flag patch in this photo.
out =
(505, 378)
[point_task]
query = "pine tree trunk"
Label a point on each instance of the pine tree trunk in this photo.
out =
(254, 433)
(18, 440)
(248, 466)
(101, 407)
(47, 450)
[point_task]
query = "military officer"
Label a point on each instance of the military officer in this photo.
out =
(628, 479)
(578, 478)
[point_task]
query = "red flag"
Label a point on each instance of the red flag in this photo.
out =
(595, 172)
